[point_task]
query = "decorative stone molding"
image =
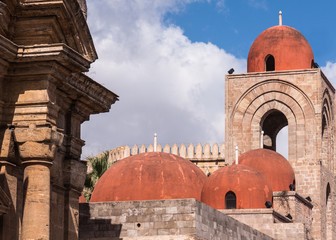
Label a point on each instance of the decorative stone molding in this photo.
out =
(37, 142)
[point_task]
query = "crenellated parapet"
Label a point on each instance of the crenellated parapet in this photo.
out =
(208, 158)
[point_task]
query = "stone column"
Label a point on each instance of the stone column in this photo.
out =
(36, 211)
(37, 148)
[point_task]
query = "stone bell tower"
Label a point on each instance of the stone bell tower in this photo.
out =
(45, 48)
(283, 87)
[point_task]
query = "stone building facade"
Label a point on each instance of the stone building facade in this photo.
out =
(45, 50)
(294, 94)
(303, 100)
(283, 87)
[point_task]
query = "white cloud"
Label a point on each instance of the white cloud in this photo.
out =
(220, 4)
(330, 71)
(258, 4)
(166, 83)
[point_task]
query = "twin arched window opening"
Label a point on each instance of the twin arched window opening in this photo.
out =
(269, 63)
(230, 200)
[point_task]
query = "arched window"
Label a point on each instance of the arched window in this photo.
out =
(269, 63)
(282, 142)
(327, 193)
(329, 213)
(230, 200)
(274, 124)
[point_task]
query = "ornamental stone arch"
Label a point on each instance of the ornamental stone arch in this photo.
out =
(266, 97)
(327, 131)
(326, 107)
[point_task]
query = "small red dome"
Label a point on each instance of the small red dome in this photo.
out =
(150, 176)
(273, 165)
(82, 199)
(289, 48)
(250, 187)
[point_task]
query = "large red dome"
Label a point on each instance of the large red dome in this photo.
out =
(150, 176)
(250, 187)
(273, 165)
(289, 48)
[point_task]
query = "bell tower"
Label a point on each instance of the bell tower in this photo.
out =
(282, 88)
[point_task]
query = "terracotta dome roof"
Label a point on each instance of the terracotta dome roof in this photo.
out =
(82, 199)
(288, 46)
(273, 165)
(251, 187)
(150, 176)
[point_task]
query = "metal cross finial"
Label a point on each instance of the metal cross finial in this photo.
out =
(280, 18)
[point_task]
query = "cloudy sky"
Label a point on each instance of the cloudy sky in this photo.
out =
(167, 60)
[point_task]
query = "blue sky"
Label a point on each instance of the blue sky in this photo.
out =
(167, 60)
(234, 24)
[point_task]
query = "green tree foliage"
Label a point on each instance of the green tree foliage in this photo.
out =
(99, 165)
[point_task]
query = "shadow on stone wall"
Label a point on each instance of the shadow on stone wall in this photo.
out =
(96, 228)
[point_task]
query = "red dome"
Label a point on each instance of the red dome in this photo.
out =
(82, 199)
(273, 165)
(288, 46)
(250, 187)
(150, 176)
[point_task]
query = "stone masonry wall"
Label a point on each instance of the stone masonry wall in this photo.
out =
(290, 202)
(213, 224)
(271, 223)
(284, 231)
(256, 216)
(160, 219)
(328, 215)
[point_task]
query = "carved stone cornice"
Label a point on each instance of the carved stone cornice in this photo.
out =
(59, 52)
(53, 52)
(70, 17)
(92, 94)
